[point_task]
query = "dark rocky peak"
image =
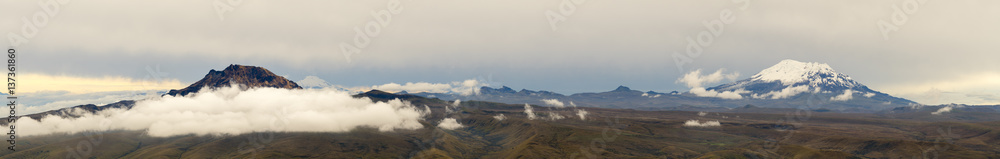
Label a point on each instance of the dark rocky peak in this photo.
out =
(378, 95)
(526, 91)
(502, 90)
(244, 76)
(622, 89)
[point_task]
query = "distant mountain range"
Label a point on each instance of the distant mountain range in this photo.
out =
(744, 127)
(788, 84)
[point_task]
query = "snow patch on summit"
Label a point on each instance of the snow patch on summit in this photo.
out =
(790, 72)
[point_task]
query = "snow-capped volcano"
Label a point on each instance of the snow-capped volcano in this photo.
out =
(790, 72)
(790, 78)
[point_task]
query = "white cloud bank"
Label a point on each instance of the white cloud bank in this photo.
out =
(231, 111)
(450, 124)
(696, 82)
(554, 102)
(695, 123)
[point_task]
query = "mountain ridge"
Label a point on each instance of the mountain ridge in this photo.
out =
(234, 74)
(787, 84)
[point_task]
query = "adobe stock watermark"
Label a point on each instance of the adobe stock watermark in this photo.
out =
(713, 29)
(223, 7)
(259, 141)
(600, 144)
(86, 147)
(12, 98)
(947, 137)
(38, 20)
(565, 9)
(364, 34)
(900, 15)
(456, 109)
(794, 121)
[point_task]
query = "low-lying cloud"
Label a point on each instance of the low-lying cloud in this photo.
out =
(582, 114)
(555, 116)
(695, 123)
(696, 82)
(453, 108)
(232, 111)
(554, 102)
(466, 87)
(500, 117)
(943, 110)
(450, 124)
(848, 95)
(785, 93)
(530, 112)
(695, 79)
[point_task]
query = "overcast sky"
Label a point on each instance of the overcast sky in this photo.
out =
(932, 52)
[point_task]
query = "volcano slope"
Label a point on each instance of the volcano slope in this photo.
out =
(604, 133)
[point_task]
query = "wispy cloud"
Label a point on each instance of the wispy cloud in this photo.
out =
(466, 87)
(848, 95)
(942, 110)
(530, 112)
(696, 82)
(582, 114)
(784, 93)
(696, 123)
(980, 88)
(695, 79)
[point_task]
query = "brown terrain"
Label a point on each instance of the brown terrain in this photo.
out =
(748, 132)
